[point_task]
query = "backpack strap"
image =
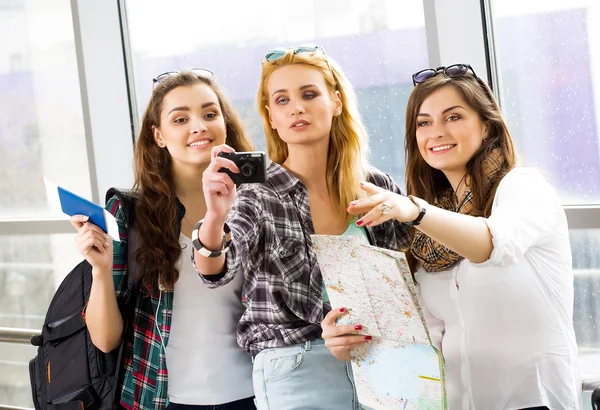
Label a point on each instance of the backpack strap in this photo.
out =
(128, 201)
(134, 276)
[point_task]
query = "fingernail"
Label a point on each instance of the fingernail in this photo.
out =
(106, 244)
(352, 203)
(86, 218)
(342, 310)
(348, 209)
(369, 223)
(359, 223)
(362, 184)
(368, 337)
(357, 327)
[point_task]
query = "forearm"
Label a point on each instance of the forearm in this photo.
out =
(466, 235)
(210, 235)
(103, 317)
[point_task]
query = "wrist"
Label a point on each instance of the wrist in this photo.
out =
(419, 209)
(214, 221)
(412, 210)
(102, 273)
(209, 235)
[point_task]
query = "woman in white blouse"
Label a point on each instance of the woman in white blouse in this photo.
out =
(490, 252)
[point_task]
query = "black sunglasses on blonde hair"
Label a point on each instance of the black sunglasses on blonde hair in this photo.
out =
(452, 71)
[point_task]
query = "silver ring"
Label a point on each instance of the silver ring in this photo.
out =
(385, 208)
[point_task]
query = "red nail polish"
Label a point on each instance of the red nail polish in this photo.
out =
(370, 223)
(348, 209)
(359, 223)
(342, 310)
(357, 327)
(368, 337)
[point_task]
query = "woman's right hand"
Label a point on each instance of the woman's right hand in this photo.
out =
(93, 243)
(340, 340)
(219, 189)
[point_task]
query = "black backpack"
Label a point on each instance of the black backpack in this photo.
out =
(69, 372)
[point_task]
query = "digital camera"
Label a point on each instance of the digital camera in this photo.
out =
(252, 165)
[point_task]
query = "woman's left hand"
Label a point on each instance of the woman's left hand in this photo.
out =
(382, 205)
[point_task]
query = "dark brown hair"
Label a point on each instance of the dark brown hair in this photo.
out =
(426, 182)
(156, 206)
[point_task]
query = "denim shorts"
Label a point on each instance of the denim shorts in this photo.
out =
(304, 376)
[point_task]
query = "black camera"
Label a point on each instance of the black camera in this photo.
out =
(252, 165)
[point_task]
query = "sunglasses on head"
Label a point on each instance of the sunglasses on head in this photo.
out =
(452, 71)
(200, 72)
(277, 53)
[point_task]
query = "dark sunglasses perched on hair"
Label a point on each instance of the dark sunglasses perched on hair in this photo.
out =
(200, 72)
(454, 70)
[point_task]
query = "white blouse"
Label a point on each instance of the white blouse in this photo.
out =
(505, 325)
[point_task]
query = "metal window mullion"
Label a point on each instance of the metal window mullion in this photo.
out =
(104, 93)
(455, 34)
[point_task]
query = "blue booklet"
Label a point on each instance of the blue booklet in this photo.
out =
(73, 204)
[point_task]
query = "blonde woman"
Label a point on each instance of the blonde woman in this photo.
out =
(318, 146)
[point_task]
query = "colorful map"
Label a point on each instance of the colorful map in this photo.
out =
(399, 369)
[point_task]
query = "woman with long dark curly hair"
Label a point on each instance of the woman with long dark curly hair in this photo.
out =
(177, 324)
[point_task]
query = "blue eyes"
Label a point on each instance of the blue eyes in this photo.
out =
(305, 96)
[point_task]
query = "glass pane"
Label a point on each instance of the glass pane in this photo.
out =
(14, 374)
(41, 126)
(31, 268)
(550, 88)
(586, 268)
(378, 43)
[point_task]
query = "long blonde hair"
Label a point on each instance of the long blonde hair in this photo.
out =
(349, 141)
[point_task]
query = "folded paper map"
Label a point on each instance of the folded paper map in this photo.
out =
(399, 368)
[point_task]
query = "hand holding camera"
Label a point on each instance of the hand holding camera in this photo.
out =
(226, 169)
(252, 166)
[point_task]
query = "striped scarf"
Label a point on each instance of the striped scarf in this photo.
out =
(433, 256)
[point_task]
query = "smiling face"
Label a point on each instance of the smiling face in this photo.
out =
(300, 106)
(449, 132)
(191, 123)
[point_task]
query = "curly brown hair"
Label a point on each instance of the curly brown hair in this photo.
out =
(156, 205)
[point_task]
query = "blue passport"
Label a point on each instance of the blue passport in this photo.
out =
(73, 204)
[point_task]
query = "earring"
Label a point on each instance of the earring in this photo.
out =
(161, 144)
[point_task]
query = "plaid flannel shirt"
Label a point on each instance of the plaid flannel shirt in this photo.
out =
(145, 370)
(271, 226)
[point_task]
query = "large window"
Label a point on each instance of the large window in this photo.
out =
(41, 136)
(549, 73)
(378, 43)
(549, 67)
